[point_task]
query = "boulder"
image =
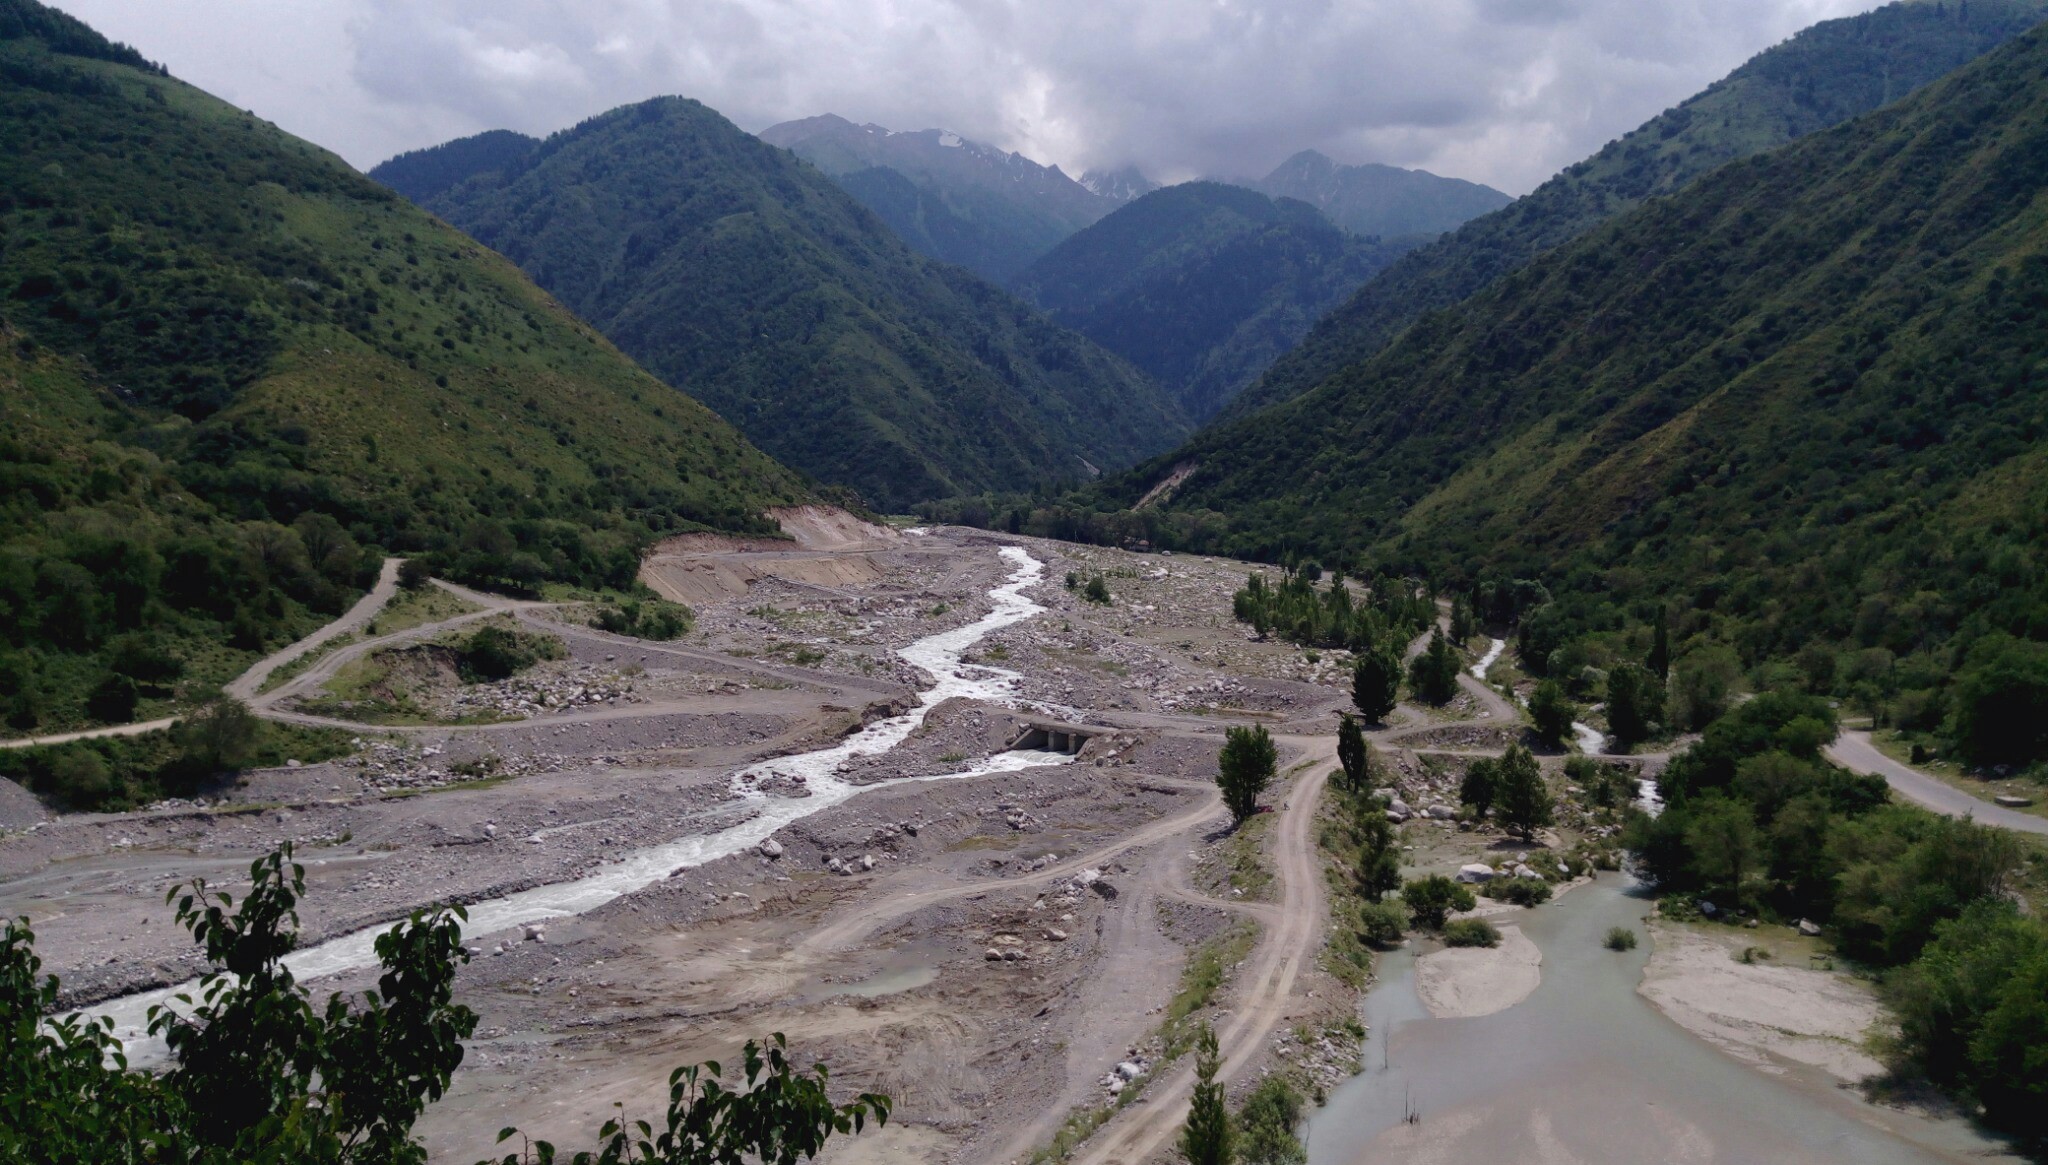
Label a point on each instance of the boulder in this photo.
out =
(1441, 812)
(867, 862)
(770, 848)
(1707, 908)
(1055, 935)
(992, 955)
(1129, 1070)
(1102, 887)
(835, 865)
(1475, 872)
(2013, 801)
(1809, 928)
(535, 932)
(1399, 806)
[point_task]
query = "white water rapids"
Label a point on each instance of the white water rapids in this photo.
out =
(938, 654)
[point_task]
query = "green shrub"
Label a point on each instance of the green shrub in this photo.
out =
(1382, 924)
(1471, 932)
(656, 619)
(1430, 900)
(1619, 938)
(1518, 891)
(497, 651)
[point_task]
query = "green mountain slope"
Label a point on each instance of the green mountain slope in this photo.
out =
(233, 366)
(1806, 397)
(959, 201)
(1821, 77)
(424, 174)
(1384, 201)
(747, 279)
(1202, 285)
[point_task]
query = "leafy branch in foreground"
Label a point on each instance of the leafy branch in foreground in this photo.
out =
(258, 1074)
(780, 1115)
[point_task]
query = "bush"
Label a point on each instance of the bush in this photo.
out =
(413, 574)
(1619, 938)
(1430, 900)
(1471, 932)
(656, 619)
(1097, 591)
(497, 651)
(1382, 924)
(1518, 891)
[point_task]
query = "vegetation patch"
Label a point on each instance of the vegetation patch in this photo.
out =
(114, 773)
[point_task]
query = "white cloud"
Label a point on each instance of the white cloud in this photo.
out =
(1499, 91)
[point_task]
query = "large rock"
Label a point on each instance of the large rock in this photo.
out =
(1809, 928)
(770, 848)
(1441, 812)
(1475, 872)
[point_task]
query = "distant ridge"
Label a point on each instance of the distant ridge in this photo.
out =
(989, 210)
(1380, 201)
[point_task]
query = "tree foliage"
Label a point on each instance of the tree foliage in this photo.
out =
(259, 1073)
(1208, 1138)
(1553, 712)
(1354, 756)
(1244, 768)
(1376, 683)
(1430, 900)
(1267, 1122)
(1524, 798)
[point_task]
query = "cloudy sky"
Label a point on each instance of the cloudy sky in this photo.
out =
(1498, 91)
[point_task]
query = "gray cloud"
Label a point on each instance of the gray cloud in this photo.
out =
(1498, 91)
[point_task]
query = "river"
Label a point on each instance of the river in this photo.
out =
(1587, 1070)
(939, 655)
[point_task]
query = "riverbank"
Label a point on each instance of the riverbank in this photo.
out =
(1777, 1010)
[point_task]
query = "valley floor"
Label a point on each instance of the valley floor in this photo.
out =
(987, 947)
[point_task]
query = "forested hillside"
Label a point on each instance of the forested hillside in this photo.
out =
(989, 210)
(1202, 285)
(235, 371)
(1382, 201)
(1821, 77)
(1800, 401)
(423, 174)
(747, 279)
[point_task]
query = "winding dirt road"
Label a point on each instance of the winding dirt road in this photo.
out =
(1856, 752)
(1265, 988)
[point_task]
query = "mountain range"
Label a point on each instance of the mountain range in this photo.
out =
(1202, 285)
(743, 276)
(1825, 75)
(991, 211)
(1801, 395)
(1380, 201)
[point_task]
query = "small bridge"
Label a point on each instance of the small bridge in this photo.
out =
(1055, 736)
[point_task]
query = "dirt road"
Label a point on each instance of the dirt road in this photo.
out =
(1265, 990)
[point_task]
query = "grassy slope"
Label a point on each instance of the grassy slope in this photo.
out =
(1201, 285)
(747, 279)
(1805, 391)
(1821, 77)
(252, 332)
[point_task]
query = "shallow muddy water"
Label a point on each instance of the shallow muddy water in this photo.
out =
(1586, 1070)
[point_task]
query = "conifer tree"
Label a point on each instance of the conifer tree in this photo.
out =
(1480, 787)
(1207, 1139)
(1659, 662)
(1244, 769)
(1355, 754)
(1553, 713)
(1634, 700)
(1376, 682)
(1434, 674)
(1524, 798)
